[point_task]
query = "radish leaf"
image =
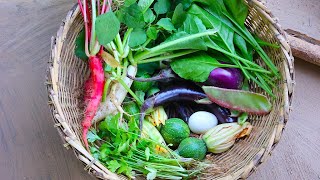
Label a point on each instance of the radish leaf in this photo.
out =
(107, 27)
(166, 24)
(162, 6)
(145, 4)
(148, 16)
(152, 33)
(138, 37)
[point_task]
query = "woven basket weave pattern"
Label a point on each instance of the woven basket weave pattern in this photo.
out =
(67, 73)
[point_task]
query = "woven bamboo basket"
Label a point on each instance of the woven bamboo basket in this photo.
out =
(66, 75)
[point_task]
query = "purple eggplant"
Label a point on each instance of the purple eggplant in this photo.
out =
(230, 78)
(222, 114)
(184, 111)
(172, 94)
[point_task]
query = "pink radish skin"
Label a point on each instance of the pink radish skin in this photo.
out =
(93, 94)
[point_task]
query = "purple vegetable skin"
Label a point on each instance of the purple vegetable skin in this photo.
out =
(173, 94)
(222, 114)
(230, 78)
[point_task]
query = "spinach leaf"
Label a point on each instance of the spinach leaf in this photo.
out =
(107, 27)
(162, 6)
(192, 25)
(138, 36)
(183, 40)
(195, 67)
(166, 24)
(179, 15)
(80, 46)
(238, 9)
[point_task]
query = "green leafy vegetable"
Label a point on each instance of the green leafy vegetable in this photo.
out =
(131, 16)
(244, 101)
(238, 9)
(107, 27)
(179, 15)
(148, 16)
(80, 48)
(144, 5)
(166, 24)
(195, 67)
(138, 37)
(162, 6)
(92, 136)
(192, 25)
(113, 165)
(152, 32)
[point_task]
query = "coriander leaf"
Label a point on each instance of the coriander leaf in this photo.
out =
(80, 46)
(166, 24)
(179, 15)
(202, 64)
(132, 16)
(137, 37)
(145, 4)
(107, 27)
(192, 25)
(92, 136)
(112, 123)
(162, 6)
(238, 9)
(113, 165)
(148, 16)
(95, 152)
(152, 32)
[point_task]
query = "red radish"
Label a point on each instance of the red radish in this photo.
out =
(93, 94)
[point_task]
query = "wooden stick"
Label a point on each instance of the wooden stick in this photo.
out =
(304, 47)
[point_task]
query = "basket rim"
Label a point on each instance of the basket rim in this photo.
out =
(95, 167)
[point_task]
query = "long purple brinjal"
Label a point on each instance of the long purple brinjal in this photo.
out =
(172, 94)
(222, 114)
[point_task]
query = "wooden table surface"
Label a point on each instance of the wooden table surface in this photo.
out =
(30, 148)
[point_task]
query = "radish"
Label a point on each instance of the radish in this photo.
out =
(93, 95)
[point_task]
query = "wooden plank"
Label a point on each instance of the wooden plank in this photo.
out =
(304, 47)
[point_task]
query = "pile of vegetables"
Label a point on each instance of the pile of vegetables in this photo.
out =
(169, 82)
